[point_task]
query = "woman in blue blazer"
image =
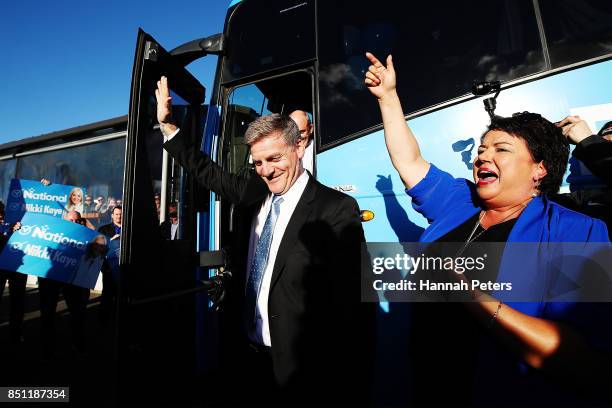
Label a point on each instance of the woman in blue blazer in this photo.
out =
(489, 347)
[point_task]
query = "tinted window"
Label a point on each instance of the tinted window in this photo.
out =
(577, 29)
(246, 103)
(7, 172)
(269, 34)
(439, 49)
(97, 167)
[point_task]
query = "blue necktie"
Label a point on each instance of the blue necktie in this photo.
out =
(260, 260)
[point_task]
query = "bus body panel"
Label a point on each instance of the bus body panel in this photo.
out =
(354, 167)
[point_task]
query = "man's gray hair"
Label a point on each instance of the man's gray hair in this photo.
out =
(268, 125)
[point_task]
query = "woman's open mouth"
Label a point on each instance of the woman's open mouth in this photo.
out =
(486, 176)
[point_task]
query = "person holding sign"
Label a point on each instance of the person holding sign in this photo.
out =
(76, 298)
(17, 285)
(109, 285)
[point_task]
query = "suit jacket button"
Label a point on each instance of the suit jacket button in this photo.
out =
(274, 317)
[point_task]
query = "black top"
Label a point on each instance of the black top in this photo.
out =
(495, 233)
(446, 336)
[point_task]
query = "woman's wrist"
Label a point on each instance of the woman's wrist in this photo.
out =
(389, 97)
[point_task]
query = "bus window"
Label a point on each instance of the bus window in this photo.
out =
(7, 172)
(266, 35)
(577, 30)
(282, 94)
(170, 195)
(246, 104)
(98, 167)
(439, 49)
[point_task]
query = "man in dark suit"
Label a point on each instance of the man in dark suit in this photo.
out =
(169, 228)
(295, 294)
(111, 230)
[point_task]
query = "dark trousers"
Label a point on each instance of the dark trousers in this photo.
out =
(76, 299)
(246, 379)
(109, 293)
(17, 286)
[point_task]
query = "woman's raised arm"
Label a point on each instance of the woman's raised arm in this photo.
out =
(401, 143)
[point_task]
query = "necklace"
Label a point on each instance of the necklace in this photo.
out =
(471, 238)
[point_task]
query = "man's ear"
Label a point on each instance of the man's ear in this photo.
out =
(301, 147)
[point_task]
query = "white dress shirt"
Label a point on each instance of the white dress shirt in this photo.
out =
(261, 332)
(308, 160)
(173, 230)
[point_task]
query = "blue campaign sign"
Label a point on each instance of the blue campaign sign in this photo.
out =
(32, 196)
(53, 248)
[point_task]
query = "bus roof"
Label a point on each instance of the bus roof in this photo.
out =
(62, 136)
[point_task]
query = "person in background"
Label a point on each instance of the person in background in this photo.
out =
(76, 299)
(89, 205)
(91, 262)
(302, 119)
(109, 286)
(169, 228)
(99, 204)
(595, 152)
(89, 211)
(157, 200)
(17, 285)
(113, 229)
(106, 210)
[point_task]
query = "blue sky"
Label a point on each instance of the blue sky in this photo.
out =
(67, 63)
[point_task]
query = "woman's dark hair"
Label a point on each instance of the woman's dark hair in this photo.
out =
(545, 142)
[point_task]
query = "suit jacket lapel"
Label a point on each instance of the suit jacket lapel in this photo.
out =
(297, 221)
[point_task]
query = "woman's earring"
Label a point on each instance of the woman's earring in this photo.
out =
(536, 191)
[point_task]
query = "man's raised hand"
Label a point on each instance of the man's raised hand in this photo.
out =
(164, 106)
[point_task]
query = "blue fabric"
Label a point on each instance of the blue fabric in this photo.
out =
(5, 228)
(260, 258)
(448, 202)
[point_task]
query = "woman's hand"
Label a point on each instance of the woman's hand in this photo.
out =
(45, 182)
(16, 226)
(380, 80)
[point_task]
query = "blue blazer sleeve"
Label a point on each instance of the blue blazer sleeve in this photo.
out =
(437, 192)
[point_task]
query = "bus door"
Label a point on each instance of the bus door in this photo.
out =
(281, 93)
(156, 330)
